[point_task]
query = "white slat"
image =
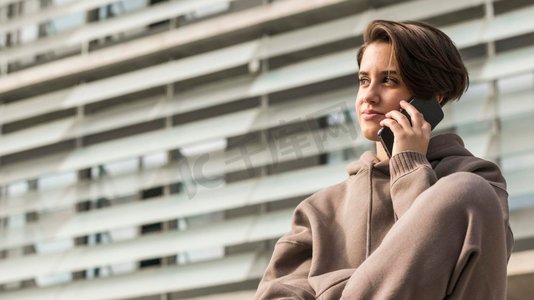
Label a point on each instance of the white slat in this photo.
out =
(239, 295)
(134, 81)
(333, 65)
(517, 61)
(49, 12)
(517, 134)
(219, 163)
(174, 279)
(207, 95)
(522, 223)
(237, 268)
(521, 263)
(128, 83)
(154, 14)
(253, 191)
(519, 182)
(220, 234)
(190, 133)
(66, 129)
(194, 275)
(31, 169)
(472, 110)
(91, 31)
(138, 145)
(173, 10)
(127, 115)
(266, 84)
(274, 46)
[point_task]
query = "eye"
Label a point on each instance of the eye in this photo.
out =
(363, 81)
(390, 80)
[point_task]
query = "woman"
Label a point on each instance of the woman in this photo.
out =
(431, 222)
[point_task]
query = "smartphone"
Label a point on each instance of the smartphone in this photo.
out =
(432, 113)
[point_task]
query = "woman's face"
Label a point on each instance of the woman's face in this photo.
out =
(381, 88)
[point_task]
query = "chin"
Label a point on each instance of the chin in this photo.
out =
(370, 132)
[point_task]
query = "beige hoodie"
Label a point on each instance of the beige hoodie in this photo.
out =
(336, 229)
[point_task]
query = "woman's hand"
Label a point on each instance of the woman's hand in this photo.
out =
(414, 137)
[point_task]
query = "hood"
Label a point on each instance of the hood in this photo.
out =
(440, 146)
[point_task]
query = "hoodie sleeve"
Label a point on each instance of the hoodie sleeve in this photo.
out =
(493, 175)
(411, 174)
(286, 276)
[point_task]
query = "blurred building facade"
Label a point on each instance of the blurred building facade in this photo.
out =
(156, 149)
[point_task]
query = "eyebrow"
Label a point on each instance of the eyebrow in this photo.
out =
(386, 72)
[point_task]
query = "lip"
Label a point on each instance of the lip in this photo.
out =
(371, 115)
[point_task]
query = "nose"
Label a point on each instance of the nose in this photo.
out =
(369, 94)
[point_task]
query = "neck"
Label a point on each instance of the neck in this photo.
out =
(380, 152)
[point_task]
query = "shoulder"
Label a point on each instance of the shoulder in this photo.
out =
(448, 155)
(482, 167)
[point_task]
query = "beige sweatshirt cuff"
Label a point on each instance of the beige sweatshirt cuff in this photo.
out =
(405, 162)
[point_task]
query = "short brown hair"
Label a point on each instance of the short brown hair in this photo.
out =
(427, 58)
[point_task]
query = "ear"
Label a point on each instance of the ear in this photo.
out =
(440, 99)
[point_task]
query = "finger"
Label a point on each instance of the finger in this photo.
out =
(399, 117)
(417, 117)
(426, 129)
(392, 124)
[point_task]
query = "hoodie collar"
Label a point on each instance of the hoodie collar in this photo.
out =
(367, 160)
(440, 146)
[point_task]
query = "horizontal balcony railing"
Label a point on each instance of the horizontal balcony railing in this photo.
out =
(342, 29)
(239, 56)
(218, 234)
(332, 66)
(218, 163)
(91, 31)
(228, 125)
(78, 37)
(236, 268)
(55, 11)
(248, 192)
